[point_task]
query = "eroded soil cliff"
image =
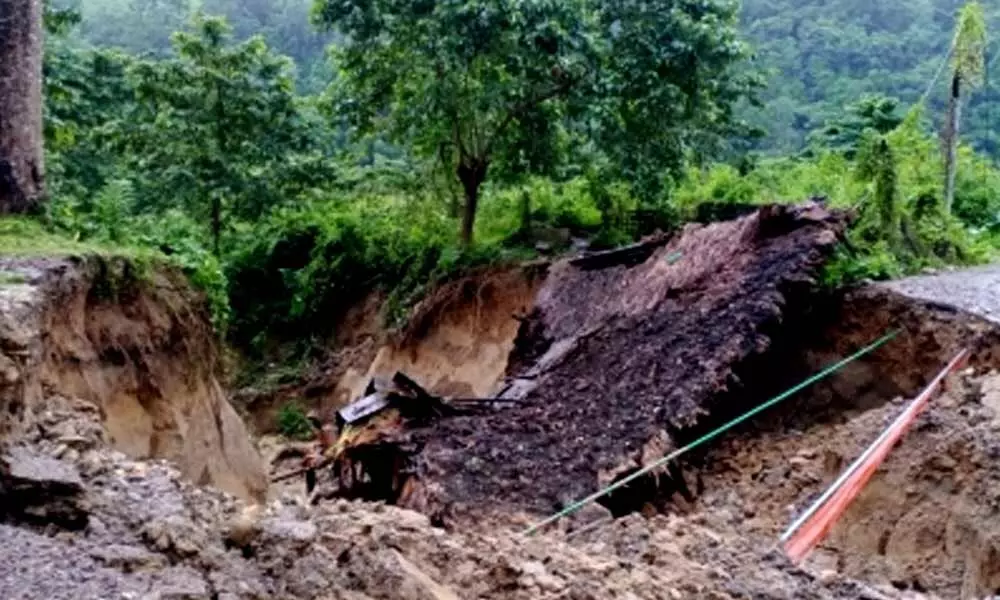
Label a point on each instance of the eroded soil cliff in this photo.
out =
(135, 342)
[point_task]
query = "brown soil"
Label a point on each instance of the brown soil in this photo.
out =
(632, 353)
(138, 346)
(458, 340)
(456, 343)
(151, 534)
(926, 522)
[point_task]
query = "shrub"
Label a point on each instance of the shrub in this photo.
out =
(293, 422)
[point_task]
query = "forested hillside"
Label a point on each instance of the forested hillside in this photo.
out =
(816, 55)
(291, 155)
(821, 55)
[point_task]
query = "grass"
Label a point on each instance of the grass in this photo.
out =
(12, 278)
(26, 237)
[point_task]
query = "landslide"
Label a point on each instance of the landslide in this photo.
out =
(925, 523)
(134, 341)
(148, 532)
(620, 352)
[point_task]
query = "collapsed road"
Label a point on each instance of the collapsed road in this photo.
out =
(621, 351)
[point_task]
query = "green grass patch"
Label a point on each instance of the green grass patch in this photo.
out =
(27, 237)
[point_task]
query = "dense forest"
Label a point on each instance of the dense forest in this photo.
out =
(292, 154)
(821, 55)
(816, 55)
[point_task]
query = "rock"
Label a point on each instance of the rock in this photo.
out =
(174, 535)
(294, 534)
(827, 576)
(590, 513)
(41, 489)
(180, 583)
(416, 578)
(244, 528)
(128, 558)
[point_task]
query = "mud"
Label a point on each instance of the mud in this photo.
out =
(628, 355)
(137, 344)
(459, 340)
(926, 522)
(153, 534)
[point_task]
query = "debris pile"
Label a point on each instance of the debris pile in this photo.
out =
(152, 534)
(622, 350)
(925, 523)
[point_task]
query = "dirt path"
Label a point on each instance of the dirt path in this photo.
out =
(975, 290)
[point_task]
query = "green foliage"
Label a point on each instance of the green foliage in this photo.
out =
(146, 26)
(823, 55)
(217, 131)
(500, 85)
(294, 273)
(895, 189)
(876, 114)
(549, 120)
(969, 56)
(293, 422)
(28, 237)
(106, 223)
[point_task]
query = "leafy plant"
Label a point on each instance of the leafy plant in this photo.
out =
(498, 83)
(293, 422)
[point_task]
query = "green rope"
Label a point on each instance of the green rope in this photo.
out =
(712, 434)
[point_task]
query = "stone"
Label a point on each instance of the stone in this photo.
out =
(128, 558)
(291, 533)
(180, 583)
(420, 580)
(244, 528)
(37, 488)
(174, 535)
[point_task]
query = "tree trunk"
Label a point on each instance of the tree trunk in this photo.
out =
(216, 223)
(951, 141)
(21, 144)
(472, 174)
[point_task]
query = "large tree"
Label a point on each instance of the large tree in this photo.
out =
(217, 129)
(21, 148)
(483, 80)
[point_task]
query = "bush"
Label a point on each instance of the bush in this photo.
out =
(107, 218)
(293, 422)
(293, 275)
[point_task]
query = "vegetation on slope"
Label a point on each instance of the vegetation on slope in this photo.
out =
(821, 55)
(288, 186)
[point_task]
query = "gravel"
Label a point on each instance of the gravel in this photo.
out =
(975, 290)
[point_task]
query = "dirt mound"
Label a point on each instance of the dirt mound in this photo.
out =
(926, 522)
(632, 345)
(152, 534)
(137, 345)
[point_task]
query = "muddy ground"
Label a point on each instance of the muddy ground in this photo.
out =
(924, 528)
(927, 522)
(149, 533)
(80, 519)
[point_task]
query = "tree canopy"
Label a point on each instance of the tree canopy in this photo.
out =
(494, 82)
(286, 184)
(821, 55)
